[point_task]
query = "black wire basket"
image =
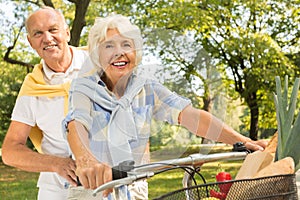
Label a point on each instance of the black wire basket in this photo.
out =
(281, 187)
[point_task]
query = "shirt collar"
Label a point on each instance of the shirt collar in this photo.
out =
(50, 73)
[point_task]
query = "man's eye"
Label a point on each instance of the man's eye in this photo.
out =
(53, 30)
(36, 34)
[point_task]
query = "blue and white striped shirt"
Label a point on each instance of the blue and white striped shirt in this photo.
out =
(152, 101)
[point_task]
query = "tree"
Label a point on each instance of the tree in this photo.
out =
(249, 37)
(248, 41)
(191, 70)
(78, 24)
(10, 83)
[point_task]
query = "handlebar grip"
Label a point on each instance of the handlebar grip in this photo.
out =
(240, 147)
(78, 181)
(121, 170)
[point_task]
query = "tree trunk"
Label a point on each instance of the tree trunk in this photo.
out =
(79, 21)
(254, 123)
(207, 107)
(207, 104)
(254, 112)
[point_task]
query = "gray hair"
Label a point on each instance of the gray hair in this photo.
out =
(98, 32)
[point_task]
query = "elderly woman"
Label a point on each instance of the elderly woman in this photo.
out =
(110, 111)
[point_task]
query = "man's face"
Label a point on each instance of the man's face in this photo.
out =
(117, 55)
(48, 35)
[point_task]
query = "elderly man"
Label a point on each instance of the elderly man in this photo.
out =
(41, 106)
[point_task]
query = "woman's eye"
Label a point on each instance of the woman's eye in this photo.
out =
(127, 45)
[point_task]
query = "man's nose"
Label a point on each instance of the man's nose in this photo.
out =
(47, 36)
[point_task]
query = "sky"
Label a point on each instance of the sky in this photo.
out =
(6, 8)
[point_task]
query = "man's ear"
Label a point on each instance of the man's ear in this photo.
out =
(68, 34)
(28, 39)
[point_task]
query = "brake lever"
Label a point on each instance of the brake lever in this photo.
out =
(120, 171)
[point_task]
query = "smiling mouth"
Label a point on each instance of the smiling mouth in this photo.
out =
(49, 47)
(119, 64)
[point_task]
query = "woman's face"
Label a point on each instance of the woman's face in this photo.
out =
(117, 55)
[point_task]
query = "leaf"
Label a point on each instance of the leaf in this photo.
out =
(288, 129)
(293, 102)
(280, 113)
(291, 109)
(292, 143)
(279, 106)
(279, 128)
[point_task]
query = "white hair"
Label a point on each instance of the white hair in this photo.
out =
(98, 33)
(59, 13)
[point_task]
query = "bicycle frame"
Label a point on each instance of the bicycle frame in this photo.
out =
(147, 171)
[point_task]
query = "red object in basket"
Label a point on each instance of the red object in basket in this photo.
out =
(221, 177)
(218, 195)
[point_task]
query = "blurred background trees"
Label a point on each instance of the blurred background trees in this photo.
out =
(223, 54)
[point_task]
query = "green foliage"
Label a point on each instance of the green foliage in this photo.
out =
(242, 38)
(288, 126)
(164, 135)
(246, 42)
(10, 83)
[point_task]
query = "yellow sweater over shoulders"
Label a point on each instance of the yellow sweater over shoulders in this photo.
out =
(35, 85)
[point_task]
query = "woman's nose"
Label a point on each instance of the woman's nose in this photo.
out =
(119, 52)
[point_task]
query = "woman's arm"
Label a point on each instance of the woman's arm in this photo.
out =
(206, 125)
(90, 171)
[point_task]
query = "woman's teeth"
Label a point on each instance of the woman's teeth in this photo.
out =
(119, 64)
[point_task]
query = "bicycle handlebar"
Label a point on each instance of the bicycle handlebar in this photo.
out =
(191, 160)
(147, 171)
(123, 181)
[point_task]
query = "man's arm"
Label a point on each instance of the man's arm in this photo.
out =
(206, 125)
(15, 153)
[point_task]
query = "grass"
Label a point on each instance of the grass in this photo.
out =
(172, 180)
(17, 184)
(20, 185)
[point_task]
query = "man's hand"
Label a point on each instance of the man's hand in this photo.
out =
(92, 173)
(66, 168)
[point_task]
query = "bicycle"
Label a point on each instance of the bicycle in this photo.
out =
(273, 187)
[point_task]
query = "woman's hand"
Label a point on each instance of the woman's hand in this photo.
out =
(92, 173)
(258, 145)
